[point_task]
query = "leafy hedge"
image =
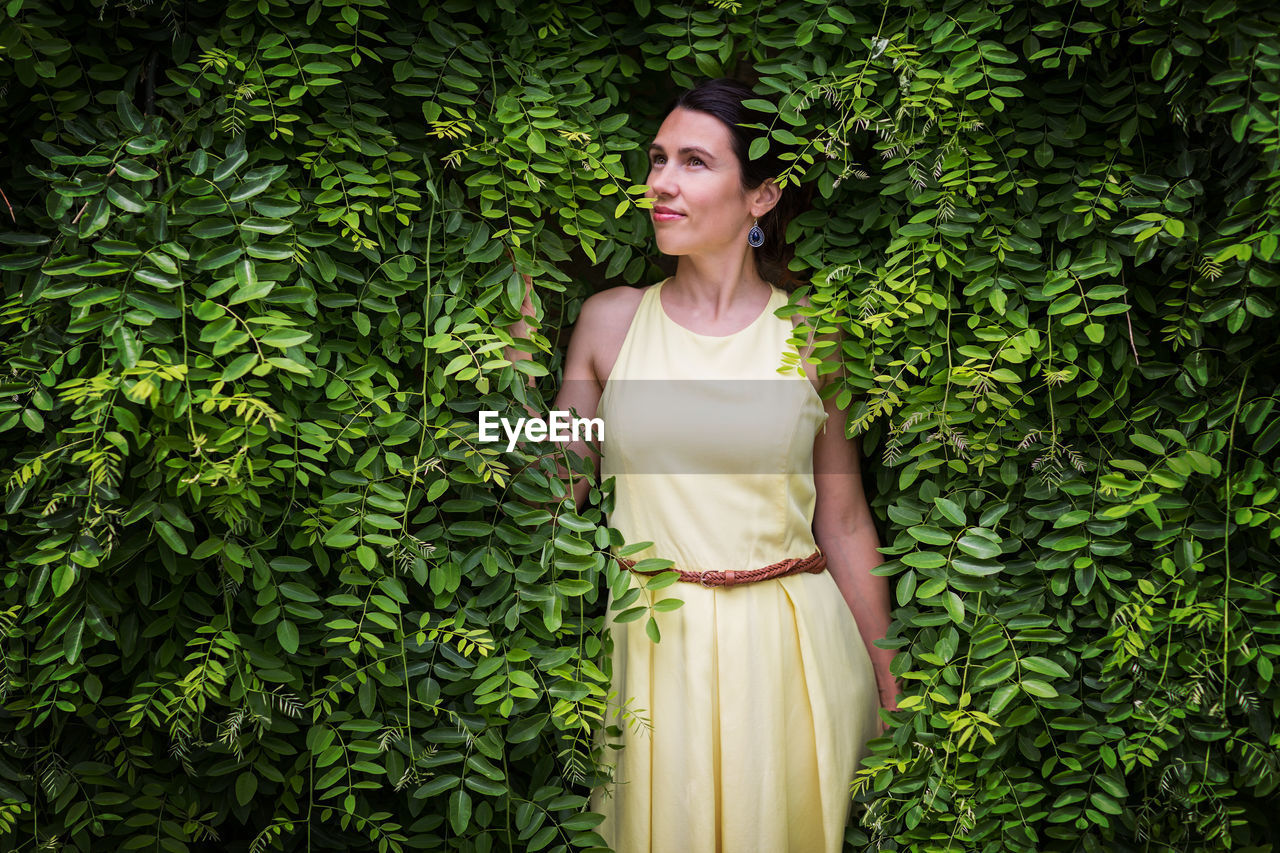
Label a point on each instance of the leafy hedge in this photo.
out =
(262, 588)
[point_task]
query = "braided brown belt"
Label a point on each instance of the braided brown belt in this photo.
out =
(815, 563)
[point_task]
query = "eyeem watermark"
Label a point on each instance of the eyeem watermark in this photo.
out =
(539, 429)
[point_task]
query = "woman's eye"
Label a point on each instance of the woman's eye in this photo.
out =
(654, 160)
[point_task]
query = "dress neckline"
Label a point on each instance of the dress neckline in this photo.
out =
(773, 291)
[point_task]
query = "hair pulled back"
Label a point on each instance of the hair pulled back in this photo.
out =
(723, 98)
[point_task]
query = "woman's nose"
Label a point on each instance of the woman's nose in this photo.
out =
(660, 184)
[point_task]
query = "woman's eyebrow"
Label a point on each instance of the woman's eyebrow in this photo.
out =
(686, 150)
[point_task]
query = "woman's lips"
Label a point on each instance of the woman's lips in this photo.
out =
(666, 217)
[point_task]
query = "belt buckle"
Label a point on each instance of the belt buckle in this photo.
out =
(702, 581)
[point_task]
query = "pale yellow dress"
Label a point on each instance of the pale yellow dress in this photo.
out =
(756, 706)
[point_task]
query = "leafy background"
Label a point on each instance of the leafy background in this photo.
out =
(263, 589)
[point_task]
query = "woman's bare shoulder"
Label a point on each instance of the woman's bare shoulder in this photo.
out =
(604, 320)
(610, 310)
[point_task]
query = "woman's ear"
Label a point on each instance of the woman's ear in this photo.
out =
(767, 195)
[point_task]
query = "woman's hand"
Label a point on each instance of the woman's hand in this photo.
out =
(521, 327)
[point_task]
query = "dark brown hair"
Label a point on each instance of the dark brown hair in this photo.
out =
(723, 98)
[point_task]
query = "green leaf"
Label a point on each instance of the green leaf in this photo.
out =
(250, 188)
(977, 546)
(287, 635)
(1044, 666)
(1106, 803)
(130, 118)
(930, 535)
(297, 592)
(239, 367)
(488, 787)
(171, 537)
(469, 529)
(228, 166)
(249, 292)
(284, 338)
(33, 420)
(1146, 442)
(459, 811)
(974, 568)
(98, 624)
(1001, 697)
(289, 365)
(154, 305)
(906, 588)
(126, 198)
(536, 143)
(92, 688)
(1036, 687)
(71, 641)
(527, 728)
(924, 560)
(246, 787)
(631, 614)
(135, 171)
(954, 606)
(951, 511)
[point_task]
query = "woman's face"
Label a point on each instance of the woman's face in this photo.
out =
(693, 171)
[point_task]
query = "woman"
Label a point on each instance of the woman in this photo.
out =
(743, 726)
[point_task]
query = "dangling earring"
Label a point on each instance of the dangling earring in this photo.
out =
(755, 236)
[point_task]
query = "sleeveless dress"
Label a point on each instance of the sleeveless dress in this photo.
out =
(742, 728)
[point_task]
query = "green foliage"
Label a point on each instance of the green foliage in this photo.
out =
(264, 589)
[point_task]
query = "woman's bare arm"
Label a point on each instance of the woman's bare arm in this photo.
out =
(579, 393)
(521, 328)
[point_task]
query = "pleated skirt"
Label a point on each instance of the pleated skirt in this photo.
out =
(742, 729)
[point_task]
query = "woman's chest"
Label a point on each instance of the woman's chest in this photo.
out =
(710, 425)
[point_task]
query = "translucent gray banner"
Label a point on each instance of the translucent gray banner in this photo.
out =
(684, 426)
